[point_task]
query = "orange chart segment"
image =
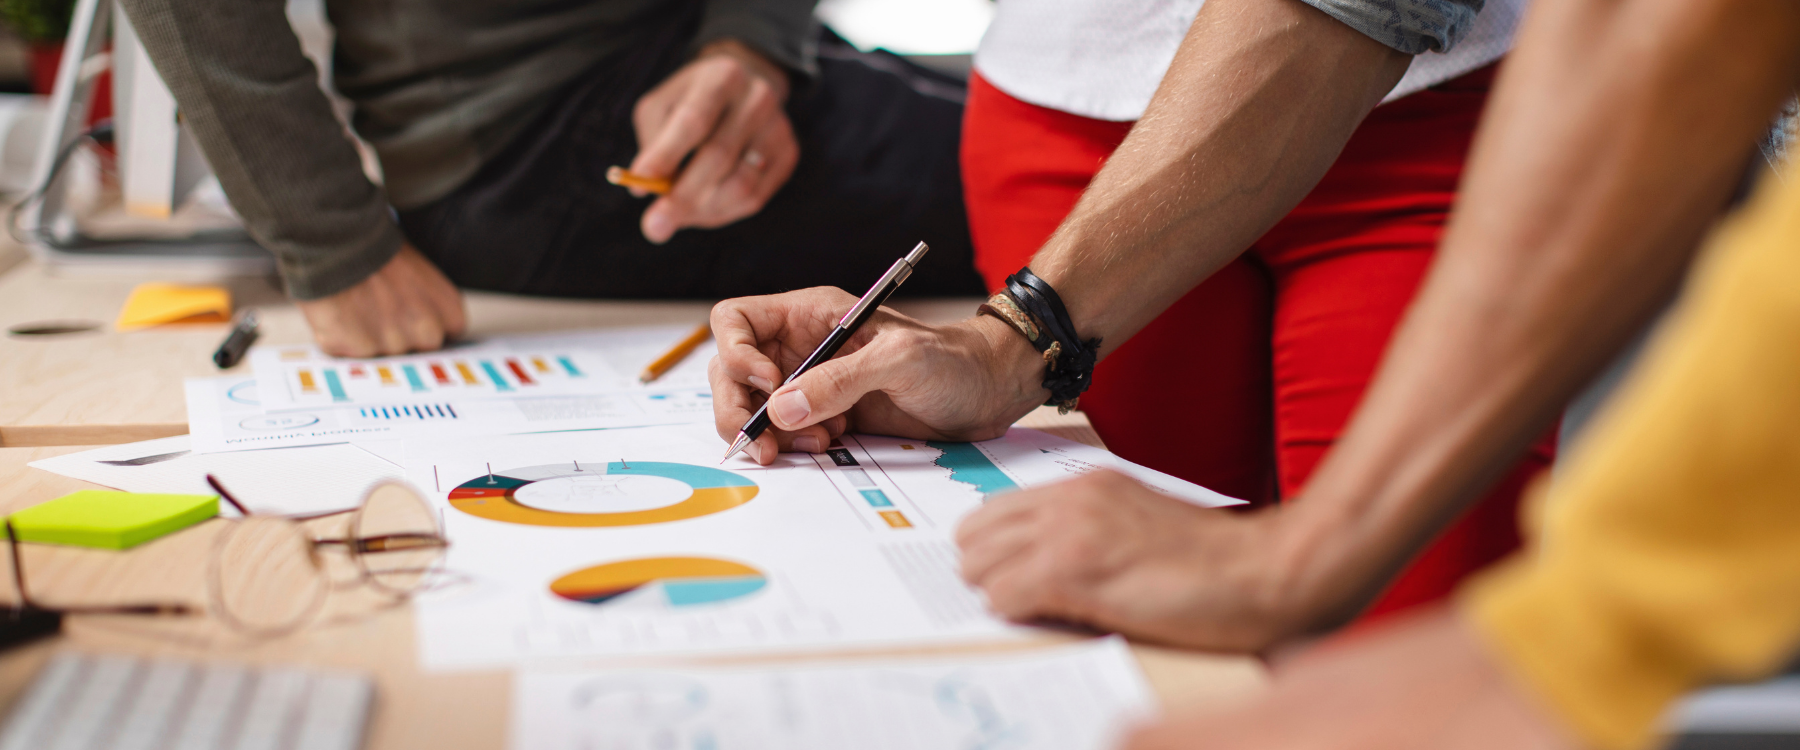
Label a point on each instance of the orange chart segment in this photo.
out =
(683, 581)
(496, 496)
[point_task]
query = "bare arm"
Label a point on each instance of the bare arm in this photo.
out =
(1611, 143)
(1258, 103)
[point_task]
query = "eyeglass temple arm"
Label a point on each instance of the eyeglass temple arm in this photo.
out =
(226, 494)
(172, 608)
(389, 542)
(229, 498)
(26, 602)
(18, 567)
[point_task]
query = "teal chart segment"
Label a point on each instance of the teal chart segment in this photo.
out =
(967, 464)
(697, 477)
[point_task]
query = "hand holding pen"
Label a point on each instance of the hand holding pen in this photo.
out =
(968, 380)
(853, 319)
(714, 141)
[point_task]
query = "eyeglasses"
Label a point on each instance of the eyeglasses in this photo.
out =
(266, 575)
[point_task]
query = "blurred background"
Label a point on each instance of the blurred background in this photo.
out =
(87, 223)
(938, 33)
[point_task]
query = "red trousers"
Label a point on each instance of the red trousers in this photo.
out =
(1272, 353)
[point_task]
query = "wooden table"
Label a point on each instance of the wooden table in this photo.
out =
(62, 394)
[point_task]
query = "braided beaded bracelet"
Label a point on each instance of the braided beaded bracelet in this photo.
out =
(1030, 306)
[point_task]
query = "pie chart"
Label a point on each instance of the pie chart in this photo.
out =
(664, 581)
(620, 493)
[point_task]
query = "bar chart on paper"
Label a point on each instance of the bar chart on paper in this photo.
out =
(306, 381)
(512, 367)
(414, 412)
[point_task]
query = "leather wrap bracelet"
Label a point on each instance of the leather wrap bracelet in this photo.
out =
(1032, 307)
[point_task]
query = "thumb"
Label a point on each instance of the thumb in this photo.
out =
(661, 220)
(832, 388)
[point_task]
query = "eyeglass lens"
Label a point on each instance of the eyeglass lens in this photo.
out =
(265, 576)
(396, 540)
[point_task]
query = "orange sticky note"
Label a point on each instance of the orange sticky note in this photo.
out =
(155, 303)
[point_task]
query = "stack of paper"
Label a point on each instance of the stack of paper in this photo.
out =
(638, 542)
(542, 383)
(589, 517)
(338, 422)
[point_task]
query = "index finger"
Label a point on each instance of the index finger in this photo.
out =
(789, 325)
(693, 118)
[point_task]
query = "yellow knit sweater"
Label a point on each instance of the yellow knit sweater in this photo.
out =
(1669, 553)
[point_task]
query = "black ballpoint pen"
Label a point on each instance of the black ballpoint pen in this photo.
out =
(846, 327)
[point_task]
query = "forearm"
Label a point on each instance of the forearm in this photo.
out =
(1611, 143)
(254, 105)
(1261, 97)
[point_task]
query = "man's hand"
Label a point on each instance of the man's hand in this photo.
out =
(1103, 550)
(897, 376)
(723, 109)
(1425, 684)
(407, 306)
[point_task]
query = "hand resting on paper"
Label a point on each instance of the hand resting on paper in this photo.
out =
(406, 306)
(1105, 551)
(722, 114)
(897, 376)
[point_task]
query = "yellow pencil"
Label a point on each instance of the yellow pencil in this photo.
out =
(676, 353)
(625, 178)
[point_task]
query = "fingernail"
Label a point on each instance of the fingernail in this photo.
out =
(790, 408)
(756, 451)
(658, 227)
(806, 444)
(762, 384)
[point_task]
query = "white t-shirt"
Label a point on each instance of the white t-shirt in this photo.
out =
(1104, 58)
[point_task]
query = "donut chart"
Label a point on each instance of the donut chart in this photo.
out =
(683, 581)
(496, 496)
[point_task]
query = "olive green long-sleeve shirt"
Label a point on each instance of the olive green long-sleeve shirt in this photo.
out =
(439, 86)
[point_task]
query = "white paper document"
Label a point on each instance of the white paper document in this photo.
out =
(227, 414)
(290, 482)
(636, 541)
(577, 363)
(1079, 697)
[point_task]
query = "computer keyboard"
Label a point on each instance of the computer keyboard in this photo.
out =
(85, 701)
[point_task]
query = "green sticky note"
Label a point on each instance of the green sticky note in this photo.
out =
(111, 520)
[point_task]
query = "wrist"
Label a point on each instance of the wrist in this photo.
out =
(1017, 370)
(1332, 554)
(753, 61)
(1090, 295)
